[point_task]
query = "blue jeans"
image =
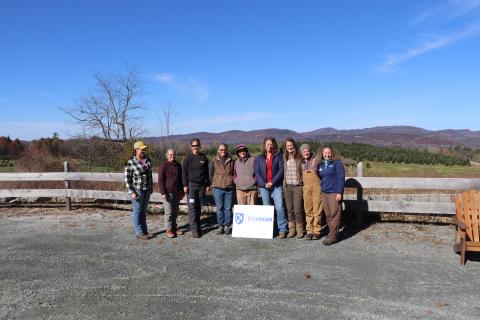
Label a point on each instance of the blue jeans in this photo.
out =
(139, 212)
(223, 201)
(277, 194)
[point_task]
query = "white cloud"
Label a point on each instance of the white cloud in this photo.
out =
(450, 15)
(445, 11)
(186, 86)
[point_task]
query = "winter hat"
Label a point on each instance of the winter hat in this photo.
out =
(241, 147)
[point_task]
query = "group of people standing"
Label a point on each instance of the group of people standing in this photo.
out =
(310, 184)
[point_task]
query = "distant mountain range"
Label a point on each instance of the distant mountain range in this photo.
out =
(383, 136)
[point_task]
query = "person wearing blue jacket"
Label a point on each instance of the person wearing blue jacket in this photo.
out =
(269, 176)
(332, 174)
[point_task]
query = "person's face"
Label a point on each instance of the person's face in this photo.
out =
(306, 153)
(269, 146)
(222, 151)
(195, 147)
(290, 146)
(242, 153)
(171, 156)
(327, 153)
(140, 153)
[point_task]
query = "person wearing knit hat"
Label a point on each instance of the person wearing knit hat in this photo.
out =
(244, 176)
(312, 193)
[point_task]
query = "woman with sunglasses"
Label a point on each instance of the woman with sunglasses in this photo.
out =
(221, 175)
(195, 180)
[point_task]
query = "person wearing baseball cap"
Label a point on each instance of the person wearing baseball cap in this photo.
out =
(139, 182)
(244, 176)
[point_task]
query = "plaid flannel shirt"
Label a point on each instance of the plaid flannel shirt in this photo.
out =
(136, 177)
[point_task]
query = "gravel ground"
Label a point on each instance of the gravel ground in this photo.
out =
(86, 264)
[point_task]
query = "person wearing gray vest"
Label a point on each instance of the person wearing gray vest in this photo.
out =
(244, 176)
(221, 175)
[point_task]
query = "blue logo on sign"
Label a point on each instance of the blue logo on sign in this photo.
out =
(239, 218)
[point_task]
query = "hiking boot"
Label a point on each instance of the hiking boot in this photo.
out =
(282, 235)
(328, 242)
(300, 230)
(291, 230)
(170, 234)
(309, 237)
(316, 236)
(228, 230)
(220, 230)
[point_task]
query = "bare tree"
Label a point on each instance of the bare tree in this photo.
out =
(113, 109)
(166, 118)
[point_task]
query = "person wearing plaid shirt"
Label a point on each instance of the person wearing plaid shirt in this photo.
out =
(139, 182)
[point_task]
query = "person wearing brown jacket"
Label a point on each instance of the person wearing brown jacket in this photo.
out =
(312, 192)
(171, 186)
(293, 189)
(221, 175)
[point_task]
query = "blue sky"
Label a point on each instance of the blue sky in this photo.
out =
(245, 65)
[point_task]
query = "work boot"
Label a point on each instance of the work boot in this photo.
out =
(291, 230)
(300, 231)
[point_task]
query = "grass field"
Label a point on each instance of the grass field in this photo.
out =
(376, 169)
(379, 169)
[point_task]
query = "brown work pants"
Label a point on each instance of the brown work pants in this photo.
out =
(246, 197)
(293, 201)
(312, 201)
(333, 212)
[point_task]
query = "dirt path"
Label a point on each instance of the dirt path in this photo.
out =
(87, 265)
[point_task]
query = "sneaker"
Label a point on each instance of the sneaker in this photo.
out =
(309, 237)
(316, 236)
(179, 232)
(228, 230)
(220, 230)
(328, 242)
(282, 235)
(170, 234)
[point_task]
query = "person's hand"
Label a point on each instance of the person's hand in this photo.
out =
(207, 188)
(185, 189)
(268, 185)
(338, 197)
(133, 195)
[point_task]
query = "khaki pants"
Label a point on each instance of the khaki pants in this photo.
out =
(246, 197)
(312, 201)
(333, 212)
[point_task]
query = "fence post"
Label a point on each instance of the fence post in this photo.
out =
(68, 202)
(359, 169)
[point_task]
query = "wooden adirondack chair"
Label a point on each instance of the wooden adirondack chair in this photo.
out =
(467, 218)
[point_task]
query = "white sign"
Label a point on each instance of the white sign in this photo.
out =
(253, 221)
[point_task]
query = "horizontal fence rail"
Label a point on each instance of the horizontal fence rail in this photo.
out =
(396, 195)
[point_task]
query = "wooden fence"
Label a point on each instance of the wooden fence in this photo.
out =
(364, 194)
